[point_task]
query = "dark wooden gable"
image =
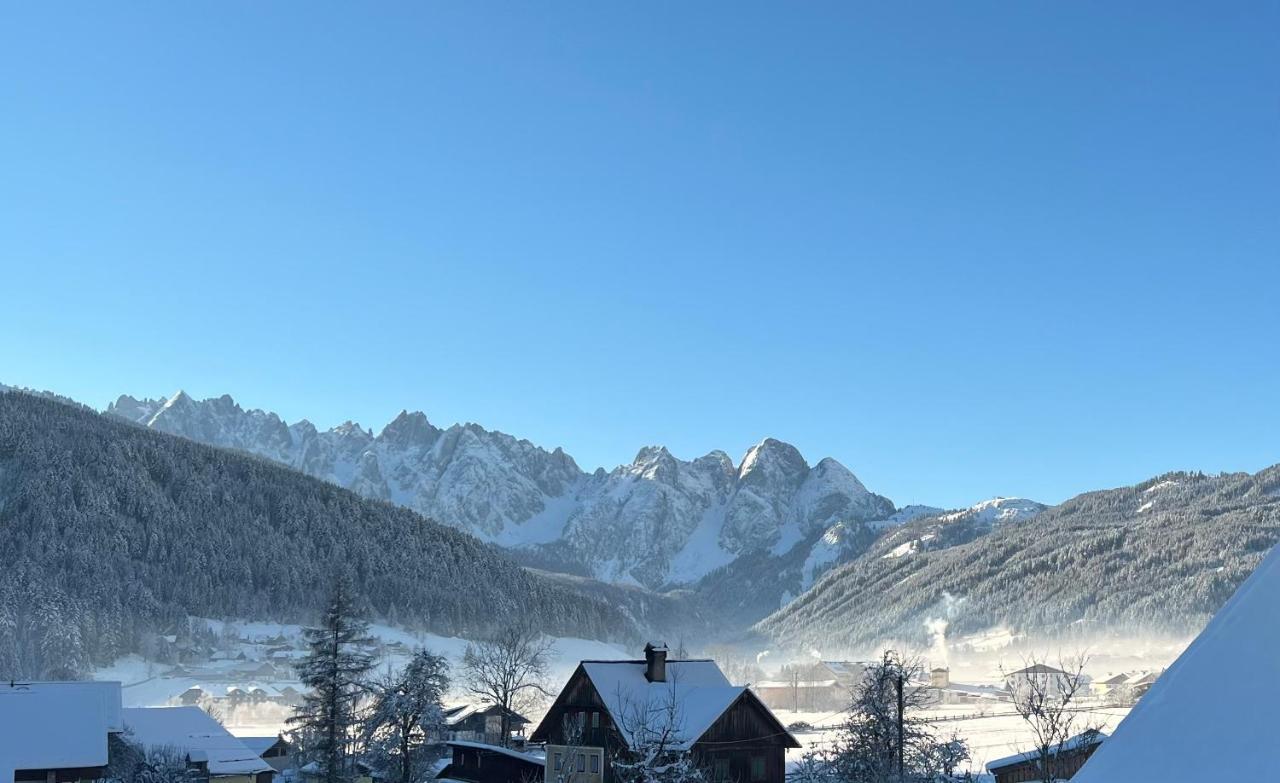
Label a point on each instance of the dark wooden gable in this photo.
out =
(747, 721)
(578, 699)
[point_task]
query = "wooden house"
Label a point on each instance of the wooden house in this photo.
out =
(273, 750)
(1069, 757)
(612, 710)
(483, 723)
(479, 762)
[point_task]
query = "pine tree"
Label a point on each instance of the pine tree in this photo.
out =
(335, 671)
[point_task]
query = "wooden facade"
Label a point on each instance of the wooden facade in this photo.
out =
(479, 763)
(745, 744)
(1026, 769)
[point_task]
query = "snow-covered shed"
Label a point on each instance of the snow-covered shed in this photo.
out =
(1188, 728)
(1066, 757)
(210, 749)
(56, 730)
(479, 762)
(612, 707)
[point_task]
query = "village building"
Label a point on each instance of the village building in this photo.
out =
(483, 723)
(211, 751)
(813, 687)
(616, 707)
(1048, 679)
(1109, 688)
(273, 750)
(476, 762)
(57, 732)
(962, 693)
(1068, 758)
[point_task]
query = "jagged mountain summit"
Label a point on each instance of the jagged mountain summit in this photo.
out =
(655, 522)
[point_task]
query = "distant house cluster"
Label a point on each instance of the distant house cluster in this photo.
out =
(607, 714)
(60, 732)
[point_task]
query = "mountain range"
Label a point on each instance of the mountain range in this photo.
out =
(771, 550)
(659, 522)
(109, 531)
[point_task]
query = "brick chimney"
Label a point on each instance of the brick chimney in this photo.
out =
(655, 662)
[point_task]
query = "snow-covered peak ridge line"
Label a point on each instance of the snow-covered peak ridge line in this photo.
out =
(656, 521)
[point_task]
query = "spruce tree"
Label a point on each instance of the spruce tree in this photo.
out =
(335, 672)
(407, 714)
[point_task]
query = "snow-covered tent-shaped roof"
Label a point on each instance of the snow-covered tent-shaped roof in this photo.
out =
(192, 731)
(1208, 716)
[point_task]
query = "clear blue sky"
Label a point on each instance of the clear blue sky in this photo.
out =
(966, 248)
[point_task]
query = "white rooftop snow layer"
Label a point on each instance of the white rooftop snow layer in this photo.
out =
(56, 725)
(533, 758)
(700, 688)
(1083, 739)
(193, 731)
(1192, 725)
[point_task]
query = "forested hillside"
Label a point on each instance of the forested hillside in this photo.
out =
(108, 529)
(1161, 556)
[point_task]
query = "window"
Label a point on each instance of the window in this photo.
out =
(595, 764)
(757, 767)
(559, 762)
(721, 769)
(595, 720)
(582, 762)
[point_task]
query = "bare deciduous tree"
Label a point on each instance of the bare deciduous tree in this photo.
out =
(506, 667)
(657, 751)
(1046, 697)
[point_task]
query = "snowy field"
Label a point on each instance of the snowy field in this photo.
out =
(991, 731)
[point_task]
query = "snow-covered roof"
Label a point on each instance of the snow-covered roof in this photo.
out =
(1194, 724)
(1081, 740)
(193, 731)
(460, 712)
(259, 745)
(850, 668)
(796, 684)
(1038, 668)
(57, 725)
(701, 690)
(515, 754)
(975, 690)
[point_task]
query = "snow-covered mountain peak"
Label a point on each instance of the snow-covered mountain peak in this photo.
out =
(658, 520)
(771, 460)
(997, 510)
(409, 429)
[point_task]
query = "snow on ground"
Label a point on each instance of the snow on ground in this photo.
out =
(542, 528)
(702, 553)
(992, 731)
(147, 684)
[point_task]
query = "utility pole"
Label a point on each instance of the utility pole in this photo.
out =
(901, 733)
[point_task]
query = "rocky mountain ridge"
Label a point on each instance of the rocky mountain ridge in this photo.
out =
(658, 521)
